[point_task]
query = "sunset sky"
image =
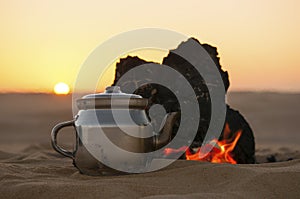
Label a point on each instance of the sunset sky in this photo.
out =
(43, 42)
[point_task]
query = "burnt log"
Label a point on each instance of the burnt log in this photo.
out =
(244, 151)
(157, 94)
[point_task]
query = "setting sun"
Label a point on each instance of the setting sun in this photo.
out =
(61, 89)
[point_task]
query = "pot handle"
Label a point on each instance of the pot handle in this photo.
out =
(54, 133)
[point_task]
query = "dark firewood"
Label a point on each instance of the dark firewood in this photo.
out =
(244, 151)
(157, 94)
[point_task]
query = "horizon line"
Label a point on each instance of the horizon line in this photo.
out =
(230, 91)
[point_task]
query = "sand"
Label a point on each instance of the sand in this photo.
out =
(29, 168)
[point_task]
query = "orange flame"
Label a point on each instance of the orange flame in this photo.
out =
(169, 151)
(221, 150)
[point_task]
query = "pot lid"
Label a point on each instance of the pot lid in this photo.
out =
(112, 96)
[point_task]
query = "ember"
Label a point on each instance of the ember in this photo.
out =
(220, 153)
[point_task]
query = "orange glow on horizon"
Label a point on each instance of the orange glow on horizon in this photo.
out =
(43, 42)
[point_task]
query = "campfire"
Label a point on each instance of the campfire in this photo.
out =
(236, 146)
(221, 149)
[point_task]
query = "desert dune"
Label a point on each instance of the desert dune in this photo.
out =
(30, 168)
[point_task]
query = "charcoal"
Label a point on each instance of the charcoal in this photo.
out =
(244, 151)
(271, 158)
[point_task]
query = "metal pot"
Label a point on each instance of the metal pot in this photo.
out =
(103, 120)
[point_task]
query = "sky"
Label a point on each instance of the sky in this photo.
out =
(43, 42)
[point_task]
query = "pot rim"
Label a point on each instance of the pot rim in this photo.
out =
(113, 97)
